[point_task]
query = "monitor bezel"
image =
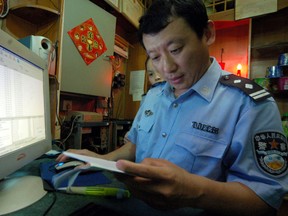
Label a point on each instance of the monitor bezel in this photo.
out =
(13, 161)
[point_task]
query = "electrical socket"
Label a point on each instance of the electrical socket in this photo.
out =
(67, 105)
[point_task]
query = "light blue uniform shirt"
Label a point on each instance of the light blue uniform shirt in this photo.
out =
(216, 131)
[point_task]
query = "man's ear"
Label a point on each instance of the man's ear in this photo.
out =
(210, 33)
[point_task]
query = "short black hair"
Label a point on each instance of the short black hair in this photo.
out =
(161, 12)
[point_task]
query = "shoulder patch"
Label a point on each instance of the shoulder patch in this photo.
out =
(249, 87)
(271, 152)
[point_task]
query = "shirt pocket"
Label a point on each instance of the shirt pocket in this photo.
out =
(198, 154)
(146, 124)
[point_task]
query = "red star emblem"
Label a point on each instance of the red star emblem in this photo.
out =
(274, 144)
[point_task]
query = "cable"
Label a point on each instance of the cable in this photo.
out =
(52, 204)
(119, 107)
(71, 130)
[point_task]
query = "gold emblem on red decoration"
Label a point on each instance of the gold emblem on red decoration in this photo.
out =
(4, 8)
(88, 41)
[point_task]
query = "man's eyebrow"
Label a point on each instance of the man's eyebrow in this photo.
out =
(172, 41)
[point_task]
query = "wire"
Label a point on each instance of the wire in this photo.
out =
(70, 132)
(56, 96)
(119, 107)
(52, 204)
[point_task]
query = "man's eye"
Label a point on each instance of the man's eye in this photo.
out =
(154, 58)
(175, 51)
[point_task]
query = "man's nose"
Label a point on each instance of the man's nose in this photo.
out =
(168, 64)
(157, 76)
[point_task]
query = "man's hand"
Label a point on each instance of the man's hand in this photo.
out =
(163, 185)
(157, 182)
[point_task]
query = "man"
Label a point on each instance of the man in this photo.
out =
(154, 76)
(207, 140)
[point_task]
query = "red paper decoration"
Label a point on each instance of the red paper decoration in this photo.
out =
(88, 41)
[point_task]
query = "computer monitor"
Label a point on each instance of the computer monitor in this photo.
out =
(24, 122)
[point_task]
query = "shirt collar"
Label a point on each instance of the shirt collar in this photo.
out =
(206, 86)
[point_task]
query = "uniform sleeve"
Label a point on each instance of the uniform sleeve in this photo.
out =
(258, 153)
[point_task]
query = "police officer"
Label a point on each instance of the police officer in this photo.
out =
(208, 140)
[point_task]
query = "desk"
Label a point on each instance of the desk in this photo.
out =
(95, 129)
(68, 203)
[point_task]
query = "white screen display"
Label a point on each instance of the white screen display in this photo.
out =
(22, 115)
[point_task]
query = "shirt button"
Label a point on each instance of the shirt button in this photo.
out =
(175, 105)
(226, 77)
(164, 134)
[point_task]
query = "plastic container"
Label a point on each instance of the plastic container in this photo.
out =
(285, 123)
(283, 83)
(274, 71)
(283, 59)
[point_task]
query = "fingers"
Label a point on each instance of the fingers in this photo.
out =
(86, 152)
(152, 169)
(61, 158)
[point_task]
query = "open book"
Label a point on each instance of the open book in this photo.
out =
(95, 162)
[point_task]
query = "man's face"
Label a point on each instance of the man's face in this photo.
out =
(178, 54)
(153, 75)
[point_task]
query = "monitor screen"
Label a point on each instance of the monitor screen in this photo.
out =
(24, 108)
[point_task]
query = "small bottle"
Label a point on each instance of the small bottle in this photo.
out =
(285, 123)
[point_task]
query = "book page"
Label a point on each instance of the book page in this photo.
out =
(95, 162)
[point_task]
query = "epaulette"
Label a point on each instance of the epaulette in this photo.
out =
(249, 87)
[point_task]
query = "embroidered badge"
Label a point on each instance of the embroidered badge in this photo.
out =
(271, 152)
(148, 113)
(205, 127)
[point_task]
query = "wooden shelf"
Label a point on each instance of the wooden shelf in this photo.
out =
(124, 27)
(269, 50)
(273, 88)
(227, 15)
(219, 5)
(35, 14)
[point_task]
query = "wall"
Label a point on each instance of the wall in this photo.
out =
(137, 57)
(77, 76)
(234, 38)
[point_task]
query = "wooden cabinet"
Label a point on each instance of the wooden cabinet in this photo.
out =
(32, 17)
(252, 8)
(269, 38)
(230, 10)
(217, 6)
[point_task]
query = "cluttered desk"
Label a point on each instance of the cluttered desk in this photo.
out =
(87, 203)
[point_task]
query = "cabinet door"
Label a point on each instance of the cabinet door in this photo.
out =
(251, 8)
(75, 75)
